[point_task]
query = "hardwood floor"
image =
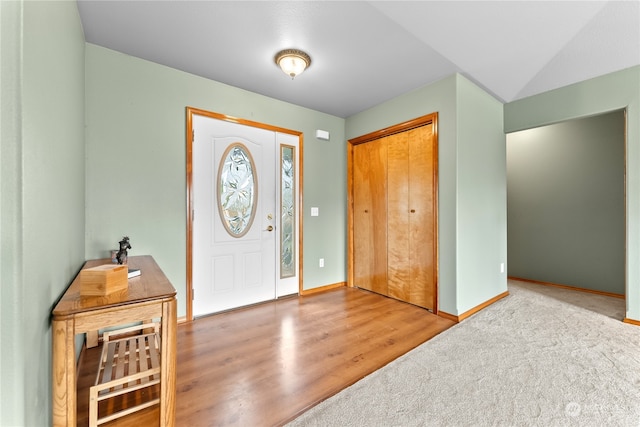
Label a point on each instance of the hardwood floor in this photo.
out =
(265, 365)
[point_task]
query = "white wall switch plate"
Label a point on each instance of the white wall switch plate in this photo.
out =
(315, 212)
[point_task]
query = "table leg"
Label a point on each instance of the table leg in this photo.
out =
(168, 365)
(64, 373)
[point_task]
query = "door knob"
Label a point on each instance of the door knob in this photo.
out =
(270, 228)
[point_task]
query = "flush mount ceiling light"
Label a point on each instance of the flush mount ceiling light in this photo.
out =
(292, 61)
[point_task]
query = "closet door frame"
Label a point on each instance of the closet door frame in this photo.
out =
(391, 130)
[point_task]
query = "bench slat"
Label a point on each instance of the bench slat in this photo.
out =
(127, 365)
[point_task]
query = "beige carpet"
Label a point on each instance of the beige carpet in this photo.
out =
(542, 356)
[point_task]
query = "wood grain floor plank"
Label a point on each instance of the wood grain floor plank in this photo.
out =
(266, 364)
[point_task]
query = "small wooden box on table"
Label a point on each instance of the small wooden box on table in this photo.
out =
(148, 296)
(103, 280)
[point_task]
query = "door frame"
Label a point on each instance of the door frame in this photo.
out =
(191, 111)
(391, 130)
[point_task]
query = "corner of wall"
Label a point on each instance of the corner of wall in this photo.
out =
(481, 239)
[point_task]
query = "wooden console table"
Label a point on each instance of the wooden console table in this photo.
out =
(149, 296)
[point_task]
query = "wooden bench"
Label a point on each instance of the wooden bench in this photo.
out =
(126, 365)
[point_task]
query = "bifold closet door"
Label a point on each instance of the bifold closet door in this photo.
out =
(398, 244)
(423, 237)
(393, 189)
(370, 216)
(411, 238)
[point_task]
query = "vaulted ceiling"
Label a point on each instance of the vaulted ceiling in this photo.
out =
(366, 52)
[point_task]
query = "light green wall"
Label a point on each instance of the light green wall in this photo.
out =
(595, 96)
(566, 203)
(471, 184)
(42, 199)
(136, 163)
(12, 367)
(481, 197)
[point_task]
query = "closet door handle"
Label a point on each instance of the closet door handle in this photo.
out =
(413, 211)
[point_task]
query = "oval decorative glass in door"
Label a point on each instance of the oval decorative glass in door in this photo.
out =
(237, 190)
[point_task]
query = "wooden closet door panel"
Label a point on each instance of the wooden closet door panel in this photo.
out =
(370, 216)
(362, 226)
(422, 216)
(398, 263)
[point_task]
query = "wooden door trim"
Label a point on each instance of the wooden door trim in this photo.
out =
(400, 127)
(189, 202)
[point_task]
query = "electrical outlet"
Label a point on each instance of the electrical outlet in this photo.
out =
(321, 263)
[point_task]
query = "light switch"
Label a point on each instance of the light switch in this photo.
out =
(315, 212)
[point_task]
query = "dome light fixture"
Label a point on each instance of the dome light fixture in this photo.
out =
(292, 61)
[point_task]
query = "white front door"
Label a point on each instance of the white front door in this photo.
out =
(234, 215)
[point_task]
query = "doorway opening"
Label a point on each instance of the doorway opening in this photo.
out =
(566, 203)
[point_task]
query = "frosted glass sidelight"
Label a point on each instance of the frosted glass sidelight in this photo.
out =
(237, 190)
(288, 211)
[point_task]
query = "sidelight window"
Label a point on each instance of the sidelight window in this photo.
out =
(288, 211)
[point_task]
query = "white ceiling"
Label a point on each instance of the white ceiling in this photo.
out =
(366, 52)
